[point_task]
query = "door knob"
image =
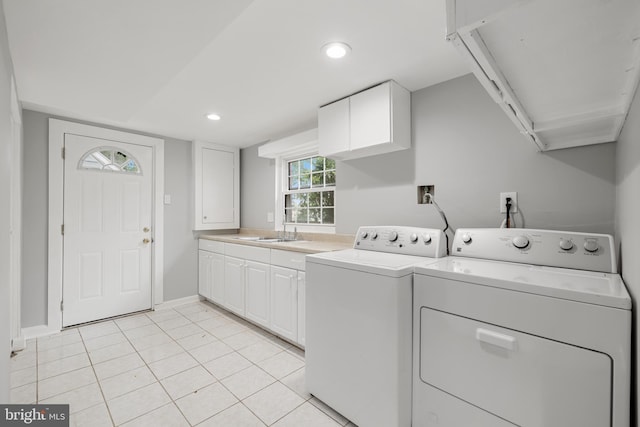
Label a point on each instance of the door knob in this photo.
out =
(145, 241)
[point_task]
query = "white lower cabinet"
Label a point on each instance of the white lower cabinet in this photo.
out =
(211, 270)
(234, 284)
(301, 305)
(204, 273)
(257, 292)
(265, 286)
(217, 278)
(284, 302)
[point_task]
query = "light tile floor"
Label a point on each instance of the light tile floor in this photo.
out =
(195, 364)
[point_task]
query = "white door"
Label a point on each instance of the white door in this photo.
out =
(217, 278)
(107, 228)
(284, 302)
(204, 273)
(234, 284)
(257, 296)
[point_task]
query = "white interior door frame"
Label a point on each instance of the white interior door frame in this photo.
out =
(57, 131)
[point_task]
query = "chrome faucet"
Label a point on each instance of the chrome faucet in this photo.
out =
(284, 227)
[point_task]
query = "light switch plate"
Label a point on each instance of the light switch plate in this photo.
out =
(167, 199)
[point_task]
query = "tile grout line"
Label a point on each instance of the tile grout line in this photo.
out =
(154, 375)
(262, 335)
(104, 398)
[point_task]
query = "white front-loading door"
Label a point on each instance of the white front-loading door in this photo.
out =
(107, 232)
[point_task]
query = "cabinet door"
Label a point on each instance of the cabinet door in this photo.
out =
(204, 273)
(234, 285)
(217, 278)
(370, 117)
(301, 305)
(216, 186)
(257, 297)
(284, 302)
(333, 128)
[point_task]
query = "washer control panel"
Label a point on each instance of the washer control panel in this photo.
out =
(426, 242)
(565, 249)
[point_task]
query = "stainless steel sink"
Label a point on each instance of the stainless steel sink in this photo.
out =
(267, 239)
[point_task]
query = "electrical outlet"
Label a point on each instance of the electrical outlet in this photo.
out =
(514, 201)
(269, 216)
(423, 190)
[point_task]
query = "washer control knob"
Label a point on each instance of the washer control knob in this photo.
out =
(566, 244)
(374, 235)
(413, 237)
(393, 236)
(426, 238)
(591, 245)
(466, 237)
(364, 234)
(520, 242)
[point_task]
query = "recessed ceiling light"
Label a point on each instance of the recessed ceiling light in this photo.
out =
(336, 50)
(213, 116)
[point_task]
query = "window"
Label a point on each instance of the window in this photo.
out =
(109, 159)
(309, 190)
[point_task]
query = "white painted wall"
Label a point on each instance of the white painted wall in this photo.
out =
(628, 223)
(180, 249)
(464, 145)
(6, 167)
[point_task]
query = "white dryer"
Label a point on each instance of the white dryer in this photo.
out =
(358, 323)
(522, 327)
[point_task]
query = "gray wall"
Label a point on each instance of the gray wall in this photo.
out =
(6, 71)
(628, 222)
(464, 145)
(257, 189)
(180, 250)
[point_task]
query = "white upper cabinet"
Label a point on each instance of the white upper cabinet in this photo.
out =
(374, 121)
(564, 72)
(216, 186)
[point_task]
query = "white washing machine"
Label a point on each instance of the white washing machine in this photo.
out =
(358, 323)
(522, 327)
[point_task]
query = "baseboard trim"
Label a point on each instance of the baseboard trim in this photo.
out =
(177, 302)
(38, 331)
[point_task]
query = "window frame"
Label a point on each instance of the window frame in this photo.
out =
(282, 188)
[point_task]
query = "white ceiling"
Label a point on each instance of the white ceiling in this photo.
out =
(159, 66)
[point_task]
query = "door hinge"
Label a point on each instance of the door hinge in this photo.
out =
(61, 305)
(62, 152)
(62, 229)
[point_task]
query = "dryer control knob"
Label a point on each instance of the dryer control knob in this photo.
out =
(566, 244)
(393, 236)
(364, 234)
(466, 238)
(426, 238)
(520, 242)
(591, 245)
(413, 237)
(374, 235)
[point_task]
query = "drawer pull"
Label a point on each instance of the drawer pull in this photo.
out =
(494, 338)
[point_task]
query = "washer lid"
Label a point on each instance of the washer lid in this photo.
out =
(605, 289)
(392, 265)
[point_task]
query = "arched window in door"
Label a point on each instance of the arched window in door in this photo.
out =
(109, 159)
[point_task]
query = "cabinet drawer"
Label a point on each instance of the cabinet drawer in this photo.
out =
(288, 259)
(251, 253)
(522, 378)
(211, 246)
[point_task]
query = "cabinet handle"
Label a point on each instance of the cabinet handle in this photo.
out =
(495, 338)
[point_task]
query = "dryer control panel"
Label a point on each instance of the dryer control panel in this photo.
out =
(565, 249)
(427, 242)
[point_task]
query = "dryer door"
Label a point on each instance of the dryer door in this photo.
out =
(527, 380)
